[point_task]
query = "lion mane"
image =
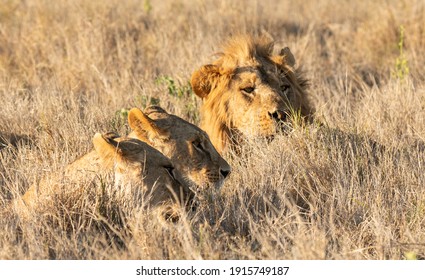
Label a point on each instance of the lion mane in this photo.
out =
(248, 90)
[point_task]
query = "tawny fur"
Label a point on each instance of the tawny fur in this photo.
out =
(188, 147)
(248, 62)
(139, 173)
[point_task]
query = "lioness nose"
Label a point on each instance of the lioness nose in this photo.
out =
(225, 172)
(278, 115)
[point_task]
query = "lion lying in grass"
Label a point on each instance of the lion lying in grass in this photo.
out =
(248, 91)
(188, 147)
(140, 173)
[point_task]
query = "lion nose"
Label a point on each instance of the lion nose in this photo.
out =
(225, 172)
(278, 115)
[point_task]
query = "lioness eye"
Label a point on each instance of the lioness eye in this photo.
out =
(170, 170)
(248, 89)
(197, 144)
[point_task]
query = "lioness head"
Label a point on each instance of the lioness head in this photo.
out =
(248, 91)
(188, 147)
(137, 164)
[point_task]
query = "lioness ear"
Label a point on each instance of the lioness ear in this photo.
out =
(203, 79)
(288, 57)
(106, 147)
(144, 127)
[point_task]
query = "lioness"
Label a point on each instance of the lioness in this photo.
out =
(248, 91)
(188, 147)
(140, 172)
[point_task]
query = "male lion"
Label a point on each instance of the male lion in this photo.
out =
(188, 147)
(140, 172)
(248, 92)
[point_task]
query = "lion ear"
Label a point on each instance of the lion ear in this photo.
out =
(203, 79)
(288, 57)
(111, 151)
(144, 127)
(107, 148)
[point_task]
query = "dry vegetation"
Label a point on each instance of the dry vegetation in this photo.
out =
(69, 69)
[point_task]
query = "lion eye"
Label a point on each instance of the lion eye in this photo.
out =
(197, 144)
(248, 90)
(170, 171)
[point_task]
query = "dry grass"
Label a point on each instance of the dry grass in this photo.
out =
(68, 68)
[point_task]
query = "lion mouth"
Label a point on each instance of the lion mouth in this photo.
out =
(282, 126)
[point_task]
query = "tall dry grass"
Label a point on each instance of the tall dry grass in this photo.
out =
(69, 69)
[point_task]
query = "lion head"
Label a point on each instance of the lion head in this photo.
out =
(139, 172)
(188, 147)
(248, 91)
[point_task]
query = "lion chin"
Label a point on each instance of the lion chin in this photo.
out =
(249, 92)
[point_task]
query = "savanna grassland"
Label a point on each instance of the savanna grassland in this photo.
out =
(350, 188)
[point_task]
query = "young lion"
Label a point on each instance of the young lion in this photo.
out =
(248, 92)
(188, 147)
(141, 173)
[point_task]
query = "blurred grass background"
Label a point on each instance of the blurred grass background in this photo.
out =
(69, 69)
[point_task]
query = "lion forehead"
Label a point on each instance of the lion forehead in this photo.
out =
(257, 74)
